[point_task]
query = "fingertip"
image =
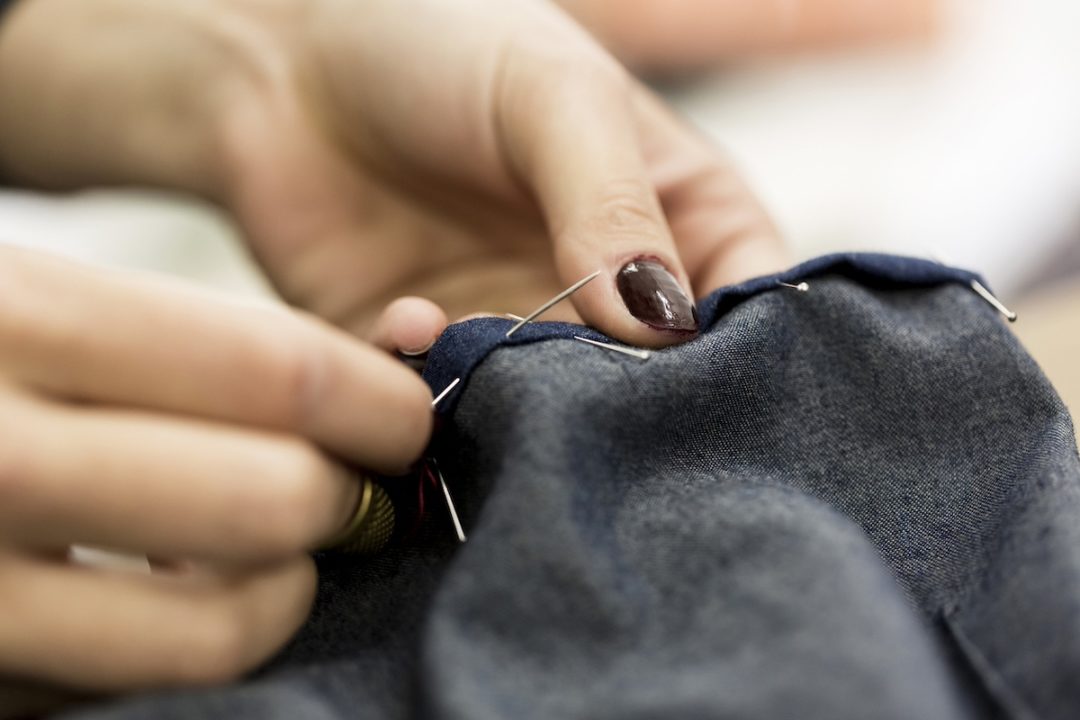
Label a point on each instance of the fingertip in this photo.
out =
(409, 325)
(657, 295)
(364, 403)
(641, 299)
(406, 422)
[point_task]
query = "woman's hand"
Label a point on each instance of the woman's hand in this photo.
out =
(481, 153)
(148, 418)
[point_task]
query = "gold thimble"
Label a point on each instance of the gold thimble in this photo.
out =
(372, 524)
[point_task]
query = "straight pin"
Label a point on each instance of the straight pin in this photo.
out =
(981, 289)
(632, 352)
(552, 302)
(989, 297)
(801, 287)
(445, 392)
(449, 503)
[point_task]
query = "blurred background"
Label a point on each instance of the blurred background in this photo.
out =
(947, 127)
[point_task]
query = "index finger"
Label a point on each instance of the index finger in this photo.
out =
(117, 338)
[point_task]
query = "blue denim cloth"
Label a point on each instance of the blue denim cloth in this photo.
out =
(862, 501)
(465, 345)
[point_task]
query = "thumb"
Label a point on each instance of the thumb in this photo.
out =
(572, 138)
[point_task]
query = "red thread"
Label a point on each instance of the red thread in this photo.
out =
(426, 477)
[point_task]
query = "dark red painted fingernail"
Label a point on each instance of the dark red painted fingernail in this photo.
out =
(654, 296)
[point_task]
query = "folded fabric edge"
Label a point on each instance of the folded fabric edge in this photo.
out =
(464, 345)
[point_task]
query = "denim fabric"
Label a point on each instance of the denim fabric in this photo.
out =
(862, 501)
(465, 345)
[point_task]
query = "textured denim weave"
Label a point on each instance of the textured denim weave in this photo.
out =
(465, 345)
(862, 501)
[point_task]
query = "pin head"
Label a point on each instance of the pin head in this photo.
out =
(801, 287)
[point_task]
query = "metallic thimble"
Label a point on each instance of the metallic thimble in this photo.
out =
(372, 524)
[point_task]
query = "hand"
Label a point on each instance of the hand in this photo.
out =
(155, 419)
(483, 154)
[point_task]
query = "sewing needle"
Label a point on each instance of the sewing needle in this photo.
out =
(989, 297)
(632, 352)
(552, 302)
(445, 392)
(449, 502)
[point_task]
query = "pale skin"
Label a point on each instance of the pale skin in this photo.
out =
(479, 154)
(666, 36)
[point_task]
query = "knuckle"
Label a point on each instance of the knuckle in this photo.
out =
(567, 61)
(541, 77)
(297, 366)
(600, 73)
(626, 208)
(586, 79)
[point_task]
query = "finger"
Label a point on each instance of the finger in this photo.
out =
(165, 486)
(661, 36)
(722, 231)
(408, 325)
(570, 134)
(117, 631)
(119, 338)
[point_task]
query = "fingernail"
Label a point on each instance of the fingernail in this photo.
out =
(417, 351)
(415, 358)
(654, 297)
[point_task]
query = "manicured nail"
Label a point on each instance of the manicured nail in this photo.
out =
(654, 297)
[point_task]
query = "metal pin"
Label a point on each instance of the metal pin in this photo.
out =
(512, 316)
(801, 287)
(445, 392)
(449, 502)
(632, 352)
(989, 297)
(553, 301)
(979, 288)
